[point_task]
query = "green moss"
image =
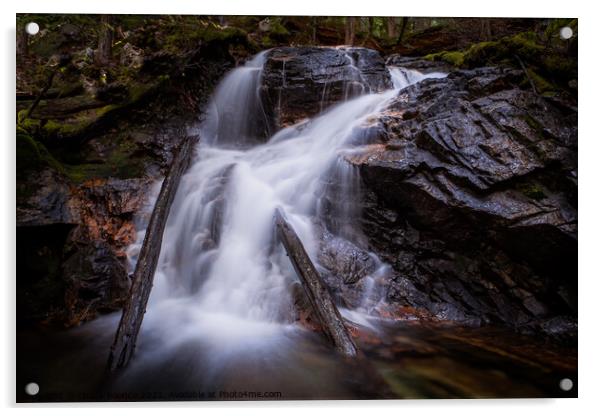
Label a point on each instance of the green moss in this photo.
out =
(548, 67)
(481, 53)
(277, 29)
(80, 122)
(559, 67)
(532, 190)
(455, 58)
(121, 163)
(187, 33)
(522, 44)
(69, 128)
(266, 41)
(532, 122)
(32, 157)
(541, 84)
(222, 34)
(278, 33)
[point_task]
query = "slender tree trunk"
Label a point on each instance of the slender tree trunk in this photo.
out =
(316, 290)
(105, 40)
(22, 42)
(391, 27)
(485, 29)
(349, 30)
(124, 343)
(314, 30)
(404, 25)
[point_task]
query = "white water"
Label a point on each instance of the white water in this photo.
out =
(222, 280)
(403, 77)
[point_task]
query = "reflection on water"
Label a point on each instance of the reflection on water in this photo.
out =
(280, 362)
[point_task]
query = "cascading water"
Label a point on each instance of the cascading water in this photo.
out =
(403, 77)
(235, 115)
(222, 282)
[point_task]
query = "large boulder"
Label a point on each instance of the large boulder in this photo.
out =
(71, 242)
(471, 197)
(300, 82)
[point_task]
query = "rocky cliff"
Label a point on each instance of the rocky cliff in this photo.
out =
(470, 191)
(300, 82)
(471, 195)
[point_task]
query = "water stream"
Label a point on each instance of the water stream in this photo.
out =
(221, 275)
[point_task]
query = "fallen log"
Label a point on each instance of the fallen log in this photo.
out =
(317, 292)
(142, 281)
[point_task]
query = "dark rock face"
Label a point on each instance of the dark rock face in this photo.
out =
(300, 82)
(344, 267)
(471, 197)
(71, 242)
(48, 204)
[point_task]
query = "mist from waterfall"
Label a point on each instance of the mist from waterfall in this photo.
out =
(223, 282)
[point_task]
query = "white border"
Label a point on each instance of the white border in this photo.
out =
(590, 188)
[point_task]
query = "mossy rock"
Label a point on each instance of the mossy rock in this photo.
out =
(66, 125)
(123, 161)
(532, 191)
(549, 68)
(454, 58)
(188, 34)
(541, 84)
(278, 33)
(32, 156)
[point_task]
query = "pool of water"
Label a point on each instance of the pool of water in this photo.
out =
(405, 360)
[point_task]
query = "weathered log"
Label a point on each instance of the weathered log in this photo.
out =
(316, 290)
(142, 281)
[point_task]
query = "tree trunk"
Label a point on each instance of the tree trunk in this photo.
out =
(316, 290)
(349, 30)
(485, 29)
(404, 25)
(22, 42)
(105, 40)
(142, 282)
(391, 27)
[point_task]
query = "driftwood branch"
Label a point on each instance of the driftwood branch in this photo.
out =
(316, 290)
(142, 281)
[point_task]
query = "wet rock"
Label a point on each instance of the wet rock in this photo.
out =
(95, 279)
(75, 236)
(471, 196)
(344, 259)
(300, 82)
(45, 200)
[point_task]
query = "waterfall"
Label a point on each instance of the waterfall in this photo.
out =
(403, 77)
(221, 276)
(235, 115)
